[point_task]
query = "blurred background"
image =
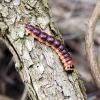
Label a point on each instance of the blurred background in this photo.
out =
(71, 17)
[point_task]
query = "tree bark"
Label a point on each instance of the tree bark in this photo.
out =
(38, 65)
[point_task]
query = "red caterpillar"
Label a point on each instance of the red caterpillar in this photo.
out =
(53, 43)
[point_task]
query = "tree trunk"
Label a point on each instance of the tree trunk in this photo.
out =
(38, 64)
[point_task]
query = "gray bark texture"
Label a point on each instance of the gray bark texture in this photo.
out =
(38, 64)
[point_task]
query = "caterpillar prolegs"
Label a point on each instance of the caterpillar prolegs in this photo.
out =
(53, 43)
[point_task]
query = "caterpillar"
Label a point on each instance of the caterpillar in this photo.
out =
(53, 43)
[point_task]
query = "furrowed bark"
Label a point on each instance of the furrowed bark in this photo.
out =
(38, 65)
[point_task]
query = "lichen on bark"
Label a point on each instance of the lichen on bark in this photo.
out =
(38, 64)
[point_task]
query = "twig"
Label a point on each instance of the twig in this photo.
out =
(95, 71)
